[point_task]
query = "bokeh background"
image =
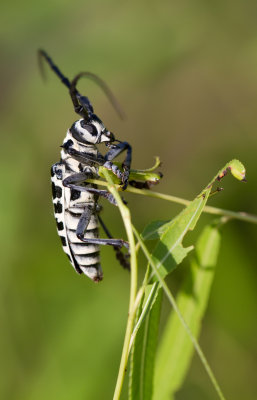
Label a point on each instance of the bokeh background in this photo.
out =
(185, 73)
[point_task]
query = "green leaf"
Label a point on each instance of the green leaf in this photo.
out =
(237, 171)
(154, 230)
(169, 251)
(146, 329)
(176, 349)
(144, 348)
(148, 298)
(236, 168)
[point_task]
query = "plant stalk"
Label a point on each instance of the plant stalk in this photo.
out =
(125, 213)
(241, 215)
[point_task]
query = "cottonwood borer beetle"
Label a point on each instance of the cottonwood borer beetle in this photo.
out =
(75, 200)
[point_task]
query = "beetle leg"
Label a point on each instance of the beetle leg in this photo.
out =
(82, 226)
(142, 185)
(113, 153)
(81, 177)
(122, 258)
(84, 157)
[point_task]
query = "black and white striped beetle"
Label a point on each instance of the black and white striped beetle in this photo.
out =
(75, 200)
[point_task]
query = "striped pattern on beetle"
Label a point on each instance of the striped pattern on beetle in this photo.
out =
(69, 203)
(75, 200)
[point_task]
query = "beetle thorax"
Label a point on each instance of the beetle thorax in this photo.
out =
(71, 143)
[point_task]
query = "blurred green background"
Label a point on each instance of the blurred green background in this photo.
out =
(186, 74)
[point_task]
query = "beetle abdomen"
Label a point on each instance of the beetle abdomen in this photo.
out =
(84, 257)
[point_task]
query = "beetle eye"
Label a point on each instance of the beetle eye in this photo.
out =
(107, 133)
(90, 128)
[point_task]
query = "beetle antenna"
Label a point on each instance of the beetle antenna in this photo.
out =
(43, 55)
(109, 94)
(82, 105)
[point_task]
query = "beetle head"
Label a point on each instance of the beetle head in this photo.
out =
(91, 131)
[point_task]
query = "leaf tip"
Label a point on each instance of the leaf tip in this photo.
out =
(237, 170)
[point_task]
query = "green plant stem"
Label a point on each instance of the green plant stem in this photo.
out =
(176, 309)
(243, 216)
(125, 213)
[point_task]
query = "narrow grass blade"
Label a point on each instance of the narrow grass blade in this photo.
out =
(144, 348)
(176, 349)
(146, 303)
